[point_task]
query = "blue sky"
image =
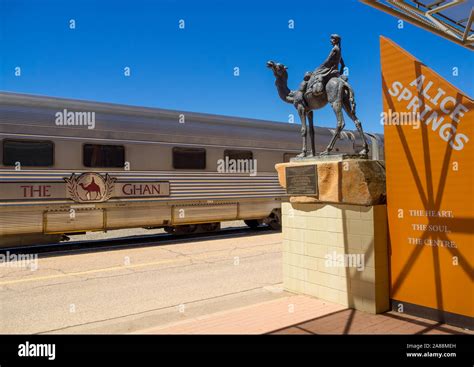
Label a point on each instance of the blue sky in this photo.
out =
(192, 69)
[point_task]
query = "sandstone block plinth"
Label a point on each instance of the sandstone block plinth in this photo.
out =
(348, 181)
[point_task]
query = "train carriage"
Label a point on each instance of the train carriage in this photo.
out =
(72, 166)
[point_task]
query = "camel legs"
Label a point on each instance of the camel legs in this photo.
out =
(358, 125)
(312, 149)
(337, 107)
(302, 114)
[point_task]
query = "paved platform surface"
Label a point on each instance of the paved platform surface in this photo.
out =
(231, 284)
(122, 290)
(255, 319)
(298, 314)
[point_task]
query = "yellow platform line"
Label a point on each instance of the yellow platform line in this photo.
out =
(133, 266)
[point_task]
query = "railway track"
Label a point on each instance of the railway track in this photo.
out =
(71, 247)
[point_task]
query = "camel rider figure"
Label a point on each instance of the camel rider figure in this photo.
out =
(327, 70)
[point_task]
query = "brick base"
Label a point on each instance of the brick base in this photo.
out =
(338, 253)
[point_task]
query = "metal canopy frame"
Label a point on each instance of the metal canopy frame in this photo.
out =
(451, 19)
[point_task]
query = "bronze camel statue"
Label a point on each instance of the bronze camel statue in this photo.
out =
(337, 92)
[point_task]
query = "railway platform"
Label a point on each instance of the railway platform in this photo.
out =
(300, 314)
(227, 283)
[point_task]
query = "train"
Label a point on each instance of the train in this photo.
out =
(72, 166)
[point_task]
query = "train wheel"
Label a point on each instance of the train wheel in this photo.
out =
(274, 221)
(169, 230)
(185, 229)
(211, 227)
(253, 223)
(275, 225)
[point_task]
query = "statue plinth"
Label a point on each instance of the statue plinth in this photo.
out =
(333, 179)
(335, 231)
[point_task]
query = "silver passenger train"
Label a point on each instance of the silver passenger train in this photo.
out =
(71, 166)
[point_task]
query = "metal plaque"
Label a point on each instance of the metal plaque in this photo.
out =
(301, 180)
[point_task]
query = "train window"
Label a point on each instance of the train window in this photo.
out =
(189, 158)
(238, 154)
(33, 153)
(107, 156)
(288, 156)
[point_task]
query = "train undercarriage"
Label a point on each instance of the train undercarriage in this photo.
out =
(273, 221)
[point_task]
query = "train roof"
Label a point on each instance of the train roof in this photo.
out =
(58, 103)
(34, 114)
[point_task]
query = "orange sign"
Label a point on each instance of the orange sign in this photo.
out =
(429, 152)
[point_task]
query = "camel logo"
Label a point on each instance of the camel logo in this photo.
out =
(89, 187)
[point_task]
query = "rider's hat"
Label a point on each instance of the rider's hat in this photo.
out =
(336, 37)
